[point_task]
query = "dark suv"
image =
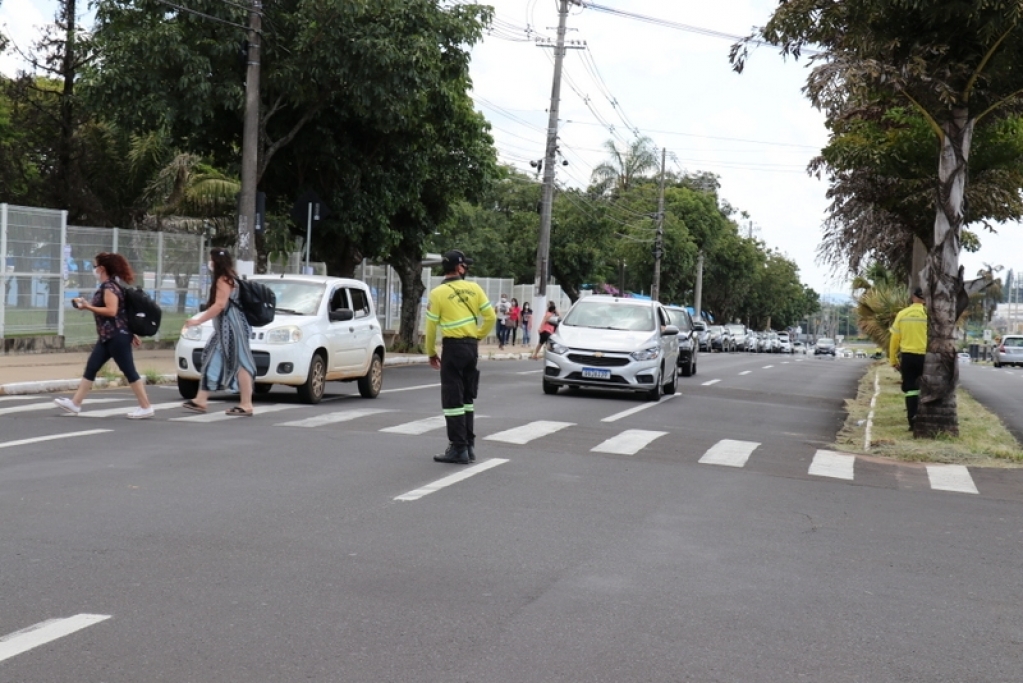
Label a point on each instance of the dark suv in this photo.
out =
(688, 339)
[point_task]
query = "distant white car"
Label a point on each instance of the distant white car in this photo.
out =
(964, 358)
(325, 329)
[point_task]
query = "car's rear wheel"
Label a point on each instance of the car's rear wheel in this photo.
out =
(549, 389)
(316, 382)
(188, 388)
(369, 386)
(996, 364)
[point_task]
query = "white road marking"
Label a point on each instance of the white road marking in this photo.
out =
(529, 372)
(16, 398)
(220, 416)
(50, 405)
(417, 427)
(111, 412)
(45, 632)
(729, 453)
(713, 381)
(52, 437)
(331, 418)
(745, 372)
(951, 478)
(832, 464)
(633, 411)
(767, 367)
(526, 433)
(453, 479)
(418, 386)
(629, 442)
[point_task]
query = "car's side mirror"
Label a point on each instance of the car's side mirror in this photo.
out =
(670, 330)
(341, 315)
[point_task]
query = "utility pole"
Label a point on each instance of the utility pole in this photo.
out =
(698, 295)
(246, 251)
(655, 291)
(544, 247)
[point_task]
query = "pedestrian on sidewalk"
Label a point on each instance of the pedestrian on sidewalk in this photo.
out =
(547, 327)
(527, 320)
(513, 319)
(908, 348)
(503, 308)
(456, 307)
(115, 339)
(227, 362)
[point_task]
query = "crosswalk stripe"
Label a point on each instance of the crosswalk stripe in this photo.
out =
(452, 479)
(729, 453)
(629, 442)
(332, 418)
(50, 405)
(832, 464)
(951, 478)
(417, 427)
(16, 398)
(745, 372)
(45, 632)
(526, 433)
(220, 416)
(633, 411)
(53, 437)
(122, 410)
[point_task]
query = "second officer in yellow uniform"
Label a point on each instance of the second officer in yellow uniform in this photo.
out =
(908, 348)
(456, 307)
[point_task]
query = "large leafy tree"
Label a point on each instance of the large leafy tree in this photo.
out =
(956, 64)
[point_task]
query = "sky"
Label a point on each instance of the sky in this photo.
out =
(755, 130)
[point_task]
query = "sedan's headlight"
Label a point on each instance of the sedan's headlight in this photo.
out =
(192, 333)
(283, 335)
(652, 353)
(555, 347)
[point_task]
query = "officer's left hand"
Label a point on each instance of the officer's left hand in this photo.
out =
(435, 362)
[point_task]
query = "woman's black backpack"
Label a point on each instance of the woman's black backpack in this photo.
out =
(257, 301)
(143, 313)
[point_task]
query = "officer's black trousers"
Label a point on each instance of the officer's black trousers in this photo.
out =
(459, 382)
(911, 365)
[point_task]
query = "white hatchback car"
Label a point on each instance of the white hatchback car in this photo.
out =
(325, 329)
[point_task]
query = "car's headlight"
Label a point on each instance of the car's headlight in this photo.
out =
(283, 335)
(651, 353)
(555, 347)
(192, 333)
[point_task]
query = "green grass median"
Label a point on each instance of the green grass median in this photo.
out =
(983, 440)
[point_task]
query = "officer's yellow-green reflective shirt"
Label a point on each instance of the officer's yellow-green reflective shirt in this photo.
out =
(455, 307)
(909, 332)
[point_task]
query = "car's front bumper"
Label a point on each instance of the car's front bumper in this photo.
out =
(284, 364)
(621, 371)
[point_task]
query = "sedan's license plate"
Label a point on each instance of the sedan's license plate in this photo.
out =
(596, 373)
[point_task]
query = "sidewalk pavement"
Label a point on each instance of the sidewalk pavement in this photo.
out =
(35, 373)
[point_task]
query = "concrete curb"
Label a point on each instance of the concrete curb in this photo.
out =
(55, 385)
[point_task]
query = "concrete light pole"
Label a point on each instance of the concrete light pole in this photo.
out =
(246, 251)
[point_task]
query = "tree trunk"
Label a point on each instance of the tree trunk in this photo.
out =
(409, 267)
(938, 412)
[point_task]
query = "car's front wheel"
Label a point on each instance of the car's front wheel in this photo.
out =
(549, 389)
(369, 386)
(188, 388)
(316, 381)
(670, 387)
(655, 393)
(689, 369)
(262, 388)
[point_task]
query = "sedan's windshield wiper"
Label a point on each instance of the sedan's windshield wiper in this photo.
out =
(289, 311)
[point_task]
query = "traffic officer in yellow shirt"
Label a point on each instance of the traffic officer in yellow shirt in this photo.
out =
(907, 349)
(456, 307)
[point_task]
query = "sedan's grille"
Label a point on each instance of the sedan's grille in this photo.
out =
(262, 359)
(598, 361)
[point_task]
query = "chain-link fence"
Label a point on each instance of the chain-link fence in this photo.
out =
(46, 263)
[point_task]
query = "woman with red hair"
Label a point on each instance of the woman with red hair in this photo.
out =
(115, 339)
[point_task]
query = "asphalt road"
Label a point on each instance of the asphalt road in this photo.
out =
(590, 543)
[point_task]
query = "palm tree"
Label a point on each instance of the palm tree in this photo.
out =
(617, 174)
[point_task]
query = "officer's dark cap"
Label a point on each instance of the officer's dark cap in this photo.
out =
(454, 258)
(918, 293)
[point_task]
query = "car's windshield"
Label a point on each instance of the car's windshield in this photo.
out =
(825, 342)
(679, 319)
(609, 315)
(298, 298)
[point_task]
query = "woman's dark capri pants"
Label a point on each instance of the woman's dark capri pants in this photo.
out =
(118, 348)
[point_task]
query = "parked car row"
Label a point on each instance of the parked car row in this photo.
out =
(735, 337)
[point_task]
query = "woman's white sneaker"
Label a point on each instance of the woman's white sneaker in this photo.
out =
(67, 405)
(141, 413)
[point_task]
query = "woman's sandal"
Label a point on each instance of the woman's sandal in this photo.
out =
(193, 406)
(238, 411)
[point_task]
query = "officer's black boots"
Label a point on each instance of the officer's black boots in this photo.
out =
(472, 453)
(912, 403)
(456, 455)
